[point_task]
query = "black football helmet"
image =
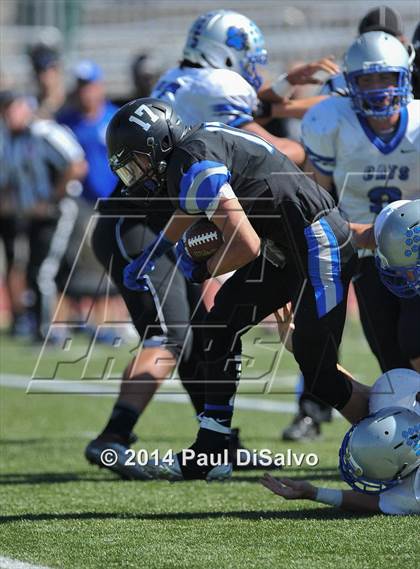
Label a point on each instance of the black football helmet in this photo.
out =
(140, 138)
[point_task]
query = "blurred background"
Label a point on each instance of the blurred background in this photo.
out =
(71, 64)
(113, 32)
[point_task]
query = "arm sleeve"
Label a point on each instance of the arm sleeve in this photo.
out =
(194, 186)
(319, 130)
(200, 186)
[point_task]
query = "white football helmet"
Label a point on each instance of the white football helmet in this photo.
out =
(224, 39)
(380, 450)
(396, 388)
(378, 52)
(397, 235)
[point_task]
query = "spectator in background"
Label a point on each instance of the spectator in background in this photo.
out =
(9, 232)
(51, 92)
(143, 78)
(37, 160)
(88, 117)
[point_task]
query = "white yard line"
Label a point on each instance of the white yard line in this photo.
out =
(98, 388)
(9, 563)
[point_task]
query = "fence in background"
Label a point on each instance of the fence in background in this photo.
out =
(112, 31)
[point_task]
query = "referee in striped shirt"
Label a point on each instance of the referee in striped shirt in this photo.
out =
(38, 158)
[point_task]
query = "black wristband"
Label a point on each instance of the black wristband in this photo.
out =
(200, 273)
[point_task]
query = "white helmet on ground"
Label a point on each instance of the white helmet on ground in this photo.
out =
(396, 388)
(380, 450)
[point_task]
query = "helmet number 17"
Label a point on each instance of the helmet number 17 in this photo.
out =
(139, 112)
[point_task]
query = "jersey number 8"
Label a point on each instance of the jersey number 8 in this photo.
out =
(381, 196)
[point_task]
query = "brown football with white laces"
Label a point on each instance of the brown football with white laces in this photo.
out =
(202, 240)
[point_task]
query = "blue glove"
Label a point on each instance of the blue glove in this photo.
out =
(192, 270)
(135, 273)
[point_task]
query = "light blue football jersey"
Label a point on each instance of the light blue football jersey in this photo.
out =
(206, 95)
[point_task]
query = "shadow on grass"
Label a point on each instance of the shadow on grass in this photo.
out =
(103, 475)
(151, 440)
(258, 515)
(310, 476)
(56, 478)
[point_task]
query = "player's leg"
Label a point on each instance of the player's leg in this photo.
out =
(379, 313)
(409, 330)
(160, 316)
(250, 295)
(190, 367)
(316, 342)
(320, 310)
(14, 281)
(40, 233)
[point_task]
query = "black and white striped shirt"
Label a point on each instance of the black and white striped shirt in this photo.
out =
(31, 161)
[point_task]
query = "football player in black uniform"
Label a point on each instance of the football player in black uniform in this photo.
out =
(284, 237)
(161, 317)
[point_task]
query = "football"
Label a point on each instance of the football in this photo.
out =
(202, 240)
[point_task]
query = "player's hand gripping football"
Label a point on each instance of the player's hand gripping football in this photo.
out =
(136, 273)
(289, 489)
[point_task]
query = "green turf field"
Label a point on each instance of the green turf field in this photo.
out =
(58, 511)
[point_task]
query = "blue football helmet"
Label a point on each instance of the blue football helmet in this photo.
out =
(380, 450)
(224, 39)
(378, 52)
(397, 256)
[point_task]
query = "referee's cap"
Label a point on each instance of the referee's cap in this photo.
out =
(382, 19)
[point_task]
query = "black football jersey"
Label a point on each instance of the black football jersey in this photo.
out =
(270, 188)
(153, 211)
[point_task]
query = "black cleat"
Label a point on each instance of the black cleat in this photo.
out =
(302, 428)
(111, 452)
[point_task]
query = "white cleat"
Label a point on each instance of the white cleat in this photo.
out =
(171, 472)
